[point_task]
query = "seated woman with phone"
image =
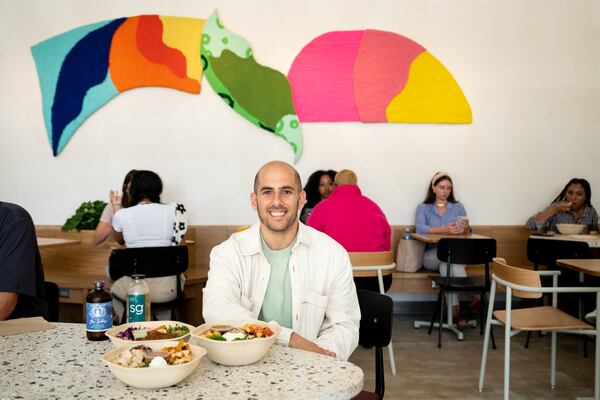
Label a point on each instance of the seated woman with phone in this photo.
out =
(441, 213)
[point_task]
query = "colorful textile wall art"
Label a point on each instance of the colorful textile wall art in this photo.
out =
(82, 69)
(369, 76)
(260, 94)
(374, 76)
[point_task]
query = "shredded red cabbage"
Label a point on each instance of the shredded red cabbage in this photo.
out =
(127, 334)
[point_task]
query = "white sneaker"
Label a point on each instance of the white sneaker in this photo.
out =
(591, 317)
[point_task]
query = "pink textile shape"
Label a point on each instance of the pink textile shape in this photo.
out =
(321, 78)
(352, 220)
(381, 71)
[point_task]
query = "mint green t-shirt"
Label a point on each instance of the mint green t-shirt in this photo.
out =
(277, 305)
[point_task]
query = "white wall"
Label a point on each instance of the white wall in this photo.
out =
(531, 71)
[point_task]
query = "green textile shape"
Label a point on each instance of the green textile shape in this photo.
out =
(260, 94)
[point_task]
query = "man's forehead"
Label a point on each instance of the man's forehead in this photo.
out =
(276, 178)
(277, 174)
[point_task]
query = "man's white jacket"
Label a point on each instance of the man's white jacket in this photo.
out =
(324, 303)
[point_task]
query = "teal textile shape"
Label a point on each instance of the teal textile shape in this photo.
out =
(260, 94)
(49, 56)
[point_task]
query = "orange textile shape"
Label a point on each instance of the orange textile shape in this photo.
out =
(140, 57)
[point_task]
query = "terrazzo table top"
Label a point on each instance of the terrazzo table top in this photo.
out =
(61, 363)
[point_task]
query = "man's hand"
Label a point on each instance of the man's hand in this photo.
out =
(299, 342)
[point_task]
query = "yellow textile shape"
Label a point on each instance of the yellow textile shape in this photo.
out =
(431, 95)
(185, 34)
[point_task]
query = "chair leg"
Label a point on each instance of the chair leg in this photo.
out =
(392, 358)
(435, 312)
(486, 343)
(441, 319)
(507, 344)
(481, 310)
(390, 346)
(488, 331)
(553, 362)
(597, 355)
(379, 374)
(527, 339)
(491, 330)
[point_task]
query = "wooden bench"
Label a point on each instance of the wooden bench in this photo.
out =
(511, 243)
(63, 265)
(74, 269)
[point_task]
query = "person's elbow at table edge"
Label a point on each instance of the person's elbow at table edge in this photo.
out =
(8, 303)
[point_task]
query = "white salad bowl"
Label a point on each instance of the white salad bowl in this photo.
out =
(153, 378)
(239, 352)
(147, 325)
(570, 229)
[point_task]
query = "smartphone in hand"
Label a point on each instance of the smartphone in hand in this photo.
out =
(461, 222)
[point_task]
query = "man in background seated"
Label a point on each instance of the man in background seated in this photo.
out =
(21, 273)
(355, 222)
(281, 270)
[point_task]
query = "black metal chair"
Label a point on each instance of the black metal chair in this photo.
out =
(153, 262)
(463, 251)
(51, 291)
(375, 331)
(546, 252)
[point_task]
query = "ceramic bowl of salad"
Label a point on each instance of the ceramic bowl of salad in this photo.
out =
(154, 365)
(236, 343)
(136, 333)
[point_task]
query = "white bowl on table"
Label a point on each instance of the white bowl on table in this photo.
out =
(570, 229)
(238, 352)
(153, 378)
(147, 325)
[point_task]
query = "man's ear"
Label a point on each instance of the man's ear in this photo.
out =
(301, 200)
(253, 201)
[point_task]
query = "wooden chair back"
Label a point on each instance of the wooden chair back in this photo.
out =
(372, 259)
(519, 276)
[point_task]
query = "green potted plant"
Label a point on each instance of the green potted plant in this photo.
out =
(87, 216)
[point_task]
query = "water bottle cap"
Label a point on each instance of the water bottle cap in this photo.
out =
(99, 285)
(138, 276)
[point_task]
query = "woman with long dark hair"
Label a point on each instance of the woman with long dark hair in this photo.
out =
(571, 206)
(318, 187)
(116, 202)
(148, 223)
(441, 213)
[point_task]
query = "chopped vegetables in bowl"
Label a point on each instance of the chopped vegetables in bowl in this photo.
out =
(155, 365)
(229, 333)
(236, 342)
(161, 332)
(136, 333)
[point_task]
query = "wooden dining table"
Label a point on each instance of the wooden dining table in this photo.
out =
(588, 266)
(433, 238)
(593, 241)
(46, 242)
(62, 364)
